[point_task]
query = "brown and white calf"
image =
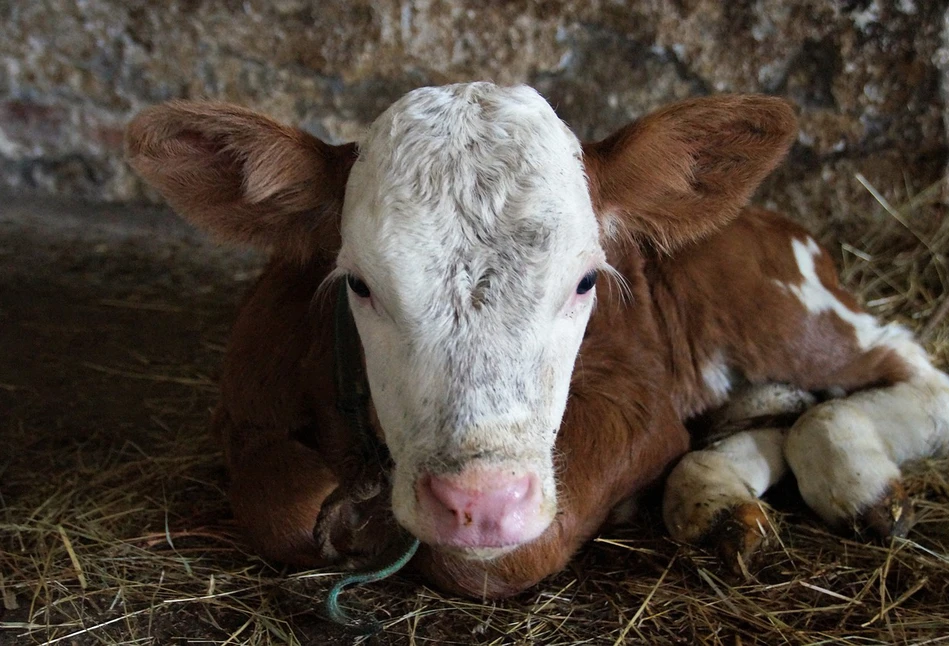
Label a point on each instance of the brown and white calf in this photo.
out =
(520, 399)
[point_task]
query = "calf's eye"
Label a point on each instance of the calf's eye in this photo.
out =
(587, 283)
(359, 288)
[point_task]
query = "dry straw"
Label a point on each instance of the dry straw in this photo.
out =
(135, 547)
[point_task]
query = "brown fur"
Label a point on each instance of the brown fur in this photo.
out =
(722, 296)
(676, 180)
(684, 171)
(243, 176)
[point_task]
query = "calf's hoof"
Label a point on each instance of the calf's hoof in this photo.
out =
(354, 528)
(739, 537)
(891, 517)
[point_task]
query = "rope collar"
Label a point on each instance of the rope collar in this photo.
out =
(352, 386)
(352, 401)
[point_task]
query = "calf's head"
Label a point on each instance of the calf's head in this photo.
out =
(470, 228)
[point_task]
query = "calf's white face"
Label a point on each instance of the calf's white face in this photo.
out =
(470, 245)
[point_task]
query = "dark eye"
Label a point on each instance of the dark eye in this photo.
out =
(587, 283)
(359, 288)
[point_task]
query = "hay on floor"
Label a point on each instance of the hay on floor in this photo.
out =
(114, 526)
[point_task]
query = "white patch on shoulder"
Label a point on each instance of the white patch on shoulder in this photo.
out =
(818, 299)
(717, 377)
(870, 334)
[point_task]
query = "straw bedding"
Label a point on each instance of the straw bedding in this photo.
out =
(114, 528)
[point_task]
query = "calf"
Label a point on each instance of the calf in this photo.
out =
(521, 398)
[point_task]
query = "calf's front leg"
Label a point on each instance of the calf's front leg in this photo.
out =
(846, 453)
(277, 492)
(712, 495)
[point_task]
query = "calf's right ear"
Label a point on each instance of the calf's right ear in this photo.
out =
(242, 176)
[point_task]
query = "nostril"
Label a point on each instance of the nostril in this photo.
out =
(482, 508)
(488, 498)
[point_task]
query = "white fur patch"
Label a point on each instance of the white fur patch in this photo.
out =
(870, 334)
(840, 460)
(818, 299)
(846, 452)
(717, 377)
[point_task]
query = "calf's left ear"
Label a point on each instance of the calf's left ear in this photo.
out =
(242, 176)
(682, 172)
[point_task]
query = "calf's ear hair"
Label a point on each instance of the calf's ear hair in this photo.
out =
(686, 170)
(242, 176)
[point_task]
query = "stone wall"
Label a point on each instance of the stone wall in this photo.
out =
(869, 77)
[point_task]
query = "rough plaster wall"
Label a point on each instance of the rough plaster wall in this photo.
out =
(865, 75)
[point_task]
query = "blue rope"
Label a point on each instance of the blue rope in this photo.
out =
(353, 403)
(363, 626)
